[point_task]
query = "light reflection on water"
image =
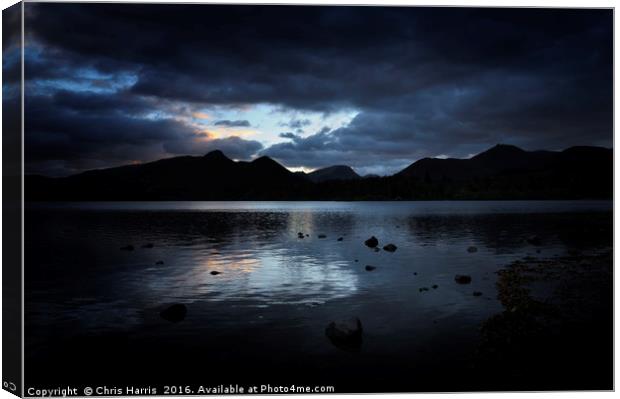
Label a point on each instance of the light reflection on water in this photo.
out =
(78, 277)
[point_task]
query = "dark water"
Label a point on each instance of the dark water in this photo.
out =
(262, 320)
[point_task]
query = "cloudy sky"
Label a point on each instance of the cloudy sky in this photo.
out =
(374, 88)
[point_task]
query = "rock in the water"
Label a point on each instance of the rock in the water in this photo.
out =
(340, 239)
(534, 240)
(390, 248)
(435, 286)
(462, 279)
(300, 235)
(149, 245)
(174, 313)
(415, 273)
(346, 334)
(477, 293)
(159, 262)
(423, 289)
(372, 242)
(370, 268)
(322, 236)
(357, 260)
(127, 248)
(472, 249)
(215, 273)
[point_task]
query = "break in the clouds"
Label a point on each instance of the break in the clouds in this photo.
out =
(375, 88)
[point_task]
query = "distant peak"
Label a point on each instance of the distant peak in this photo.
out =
(268, 163)
(263, 159)
(336, 172)
(500, 150)
(505, 147)
(216, 154)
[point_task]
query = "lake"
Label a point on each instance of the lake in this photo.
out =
(263, 318)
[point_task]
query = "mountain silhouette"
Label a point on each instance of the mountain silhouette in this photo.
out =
(498, 160)
(508, 172)
(210, 177)
(502, 172)
(337, 172)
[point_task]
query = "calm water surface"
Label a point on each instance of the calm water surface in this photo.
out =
(276, 290)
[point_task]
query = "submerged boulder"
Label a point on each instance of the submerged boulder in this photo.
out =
(477, 293)
(159, 262)
(390, 248)
(322, 236)
(174, 313)
(345, 334)
(300, 235)
(371, 242)
(472, 249)
(462, 279)
(215, 273)
(370, 268)
(148, 245)
(340, 239)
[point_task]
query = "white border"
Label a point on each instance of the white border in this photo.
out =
(468, 3)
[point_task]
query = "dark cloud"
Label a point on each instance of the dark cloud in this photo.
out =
(229, 123)
(296, 123)
(289, 135)
(68, 132)
(423, 81)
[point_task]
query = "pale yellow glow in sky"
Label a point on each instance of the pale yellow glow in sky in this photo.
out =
(201, 115)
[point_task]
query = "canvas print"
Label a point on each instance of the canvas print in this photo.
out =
(307, 199)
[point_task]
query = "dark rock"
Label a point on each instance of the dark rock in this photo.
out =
(149, 245)
(345, 334)
(215, 273)
(435, 286)
(340, 239)
(534, 240)
(462, 279)
(357, 260)
(174, 313)
(370, 268)
(415, 273)
(477, 293)
(390, 248)
(159, 262)
(372, 242)
(127, 248)
(300, 235)
(423, 289)
(307, 235)
(322, 236)
(472, 249)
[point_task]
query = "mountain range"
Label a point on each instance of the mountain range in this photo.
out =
(502, 172)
